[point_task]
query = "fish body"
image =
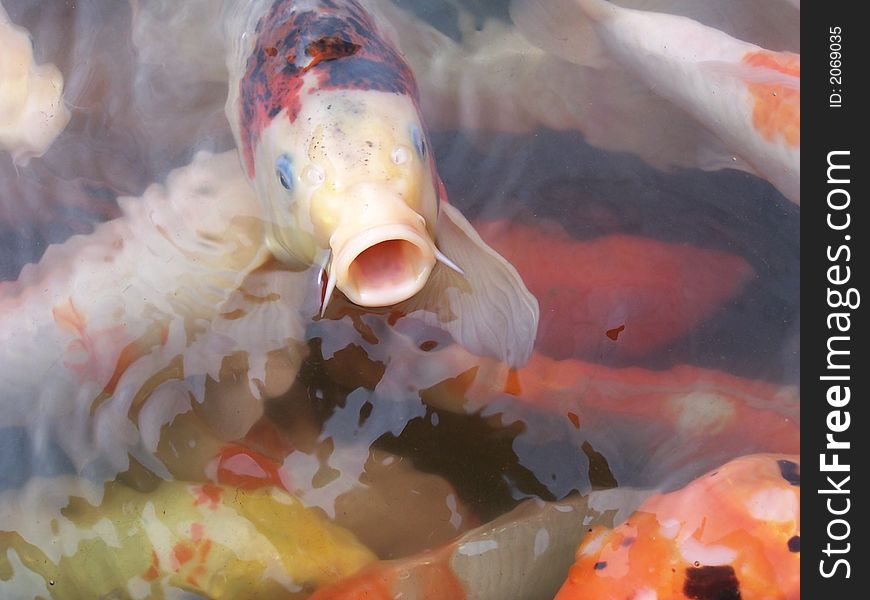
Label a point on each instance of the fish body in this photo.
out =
(179, 539)
(732, 533)
(745, 95)
(89, 336)
(623, 295)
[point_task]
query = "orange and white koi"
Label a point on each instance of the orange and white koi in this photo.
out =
(732, 533)
(748, 97)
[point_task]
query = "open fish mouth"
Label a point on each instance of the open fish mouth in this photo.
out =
(381, 266)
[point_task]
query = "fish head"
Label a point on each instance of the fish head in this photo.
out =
(352, 177)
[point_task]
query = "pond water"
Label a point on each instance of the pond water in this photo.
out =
(139, 390)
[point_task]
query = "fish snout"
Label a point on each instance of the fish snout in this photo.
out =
(382, 252)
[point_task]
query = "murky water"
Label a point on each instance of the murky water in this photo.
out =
(668, 341)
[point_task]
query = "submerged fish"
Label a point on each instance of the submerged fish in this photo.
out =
(32, 112)
(178, 539)
(747, 96)
(617, 294)
(88, 335)
(732, 533)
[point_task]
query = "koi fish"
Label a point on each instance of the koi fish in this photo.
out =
(747, 96)
(326, 117)
(32, 112)
(688, 409)
(88, 336)
(200, 538)
(732, 533)
(622, 294)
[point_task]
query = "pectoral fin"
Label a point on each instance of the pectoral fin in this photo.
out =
(488, 309)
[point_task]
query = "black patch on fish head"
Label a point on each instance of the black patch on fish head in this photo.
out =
(365, 73)
(794, 543)
(790, 471)
(712, 583)
(335, 41)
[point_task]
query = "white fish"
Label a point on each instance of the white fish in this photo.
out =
(91, 333)
(748, 97)
(32, 112)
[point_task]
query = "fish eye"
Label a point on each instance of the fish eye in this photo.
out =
(419, 142)
(284, 171)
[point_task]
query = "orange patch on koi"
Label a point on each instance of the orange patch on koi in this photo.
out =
(182, 552)
(574, 418)
(204, 549)
(152, 573)
(777, 110)
(613, 334)
(740, 519)
(134, 351)
(89, 353)
(69, 318)
(329, 48)
(208, 494)
(428, 576)
(268, 439)
(197, 530)
(512, 384)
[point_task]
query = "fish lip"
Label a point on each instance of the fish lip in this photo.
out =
(416, 257)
